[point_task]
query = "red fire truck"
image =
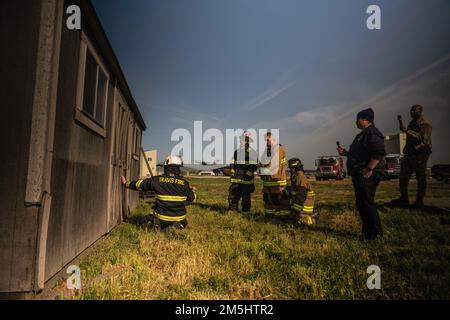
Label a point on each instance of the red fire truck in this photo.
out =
(330, 167)
(392, 168)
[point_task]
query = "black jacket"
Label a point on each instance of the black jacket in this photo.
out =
(368, 144)
(172, 193)
(244, 166)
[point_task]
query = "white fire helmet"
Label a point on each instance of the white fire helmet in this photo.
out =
(247, 135)
(173, 160)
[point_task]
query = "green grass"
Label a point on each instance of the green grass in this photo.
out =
(225, 255)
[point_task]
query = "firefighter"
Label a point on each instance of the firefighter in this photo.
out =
(243, 168)
(172, 194)
(302, 194)
(273, 175)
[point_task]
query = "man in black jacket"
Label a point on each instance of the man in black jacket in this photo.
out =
(365, 163)
(172, 194)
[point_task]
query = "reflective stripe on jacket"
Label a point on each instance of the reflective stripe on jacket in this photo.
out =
(303, 197)
(277, 182)
(172, 194)
(244, 166)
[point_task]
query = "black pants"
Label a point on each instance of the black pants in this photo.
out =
(365, 190)
(414, 164)
(237, 192)
(167, 225)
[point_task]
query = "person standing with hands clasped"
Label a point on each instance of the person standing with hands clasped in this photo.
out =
(365, 164)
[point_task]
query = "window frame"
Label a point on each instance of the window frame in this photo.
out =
(137, 136)
(80, 114)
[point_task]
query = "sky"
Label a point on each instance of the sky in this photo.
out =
(303, 67)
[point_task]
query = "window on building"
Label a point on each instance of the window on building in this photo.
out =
(92, 89)
(95, 90)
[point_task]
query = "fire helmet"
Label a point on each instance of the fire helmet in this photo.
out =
(295, 163)
(173, 161)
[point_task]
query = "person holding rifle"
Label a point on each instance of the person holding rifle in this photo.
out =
(417, 151)
(365, 164)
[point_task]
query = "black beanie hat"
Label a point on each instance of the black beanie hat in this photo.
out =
(367, 114)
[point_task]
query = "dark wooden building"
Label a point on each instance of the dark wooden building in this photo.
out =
(70, 128)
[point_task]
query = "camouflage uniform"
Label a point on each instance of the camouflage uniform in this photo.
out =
(417, 151)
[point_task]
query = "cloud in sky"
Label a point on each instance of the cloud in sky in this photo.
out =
(276, 89)
(428, 86)
(318, 116)
(266, 97)
(287, 64)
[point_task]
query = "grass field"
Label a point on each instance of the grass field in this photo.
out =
(225, 255)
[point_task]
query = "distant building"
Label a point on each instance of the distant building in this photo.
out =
(395, 143)
(152, 158)
(70, 129)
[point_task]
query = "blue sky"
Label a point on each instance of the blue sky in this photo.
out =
(304, 67)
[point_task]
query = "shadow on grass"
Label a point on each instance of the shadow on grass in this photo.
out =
(425, 209)
(335, 207)
(143, 221)
(319, 228)
(286, 220)
(337, 233)
(222, 209)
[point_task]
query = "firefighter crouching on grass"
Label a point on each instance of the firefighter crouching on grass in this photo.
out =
(273, 175)
(243, 170)
(302, 195)
(172, 194)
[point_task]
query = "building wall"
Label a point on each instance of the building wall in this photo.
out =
(80, 170)
(76, 169)
(82, 166)
(152, 157)
(395, 143)
(17, 64)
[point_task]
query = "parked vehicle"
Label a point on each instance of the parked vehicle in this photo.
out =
(441, 172)
(392, 166)
(330, 167)
(206, 173)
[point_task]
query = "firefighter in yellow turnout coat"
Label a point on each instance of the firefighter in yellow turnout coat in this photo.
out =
(302, 195)
(273, 176)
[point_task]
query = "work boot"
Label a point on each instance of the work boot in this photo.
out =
(232, 206)
(246, 213)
